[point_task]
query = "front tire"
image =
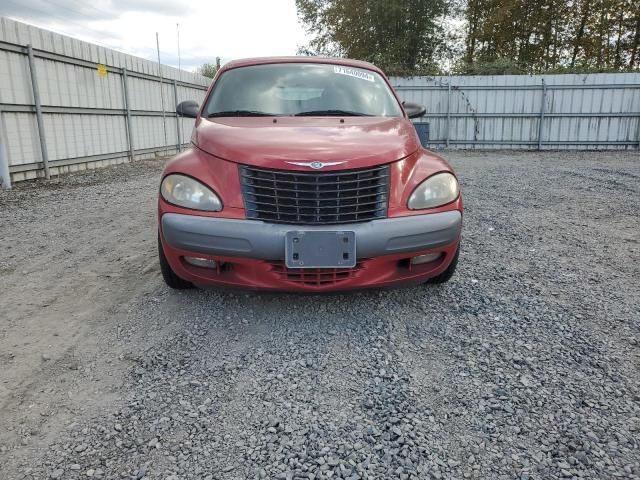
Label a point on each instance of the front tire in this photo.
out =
(448, 273)
(170, 278)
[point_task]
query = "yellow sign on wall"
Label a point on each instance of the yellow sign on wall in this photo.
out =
(102, 70)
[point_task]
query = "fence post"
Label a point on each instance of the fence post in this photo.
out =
(448, 112)
(5, 175)
(39, 119)
(125, 90)
(175, 97)
(542, 111)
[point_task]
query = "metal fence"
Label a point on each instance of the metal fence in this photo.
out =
(595, 111)
(67, 105)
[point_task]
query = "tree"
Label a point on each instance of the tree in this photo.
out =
(544, 35)
(403, 37)
(411, 37)
(207, 70)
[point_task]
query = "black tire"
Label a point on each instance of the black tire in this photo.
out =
(448, 273)
(170, 278)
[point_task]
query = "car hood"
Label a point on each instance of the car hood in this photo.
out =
(271, 143)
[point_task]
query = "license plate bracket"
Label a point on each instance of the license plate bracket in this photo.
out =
(313, 249)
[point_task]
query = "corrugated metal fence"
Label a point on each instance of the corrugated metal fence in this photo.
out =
(90, 105)
(595, 111)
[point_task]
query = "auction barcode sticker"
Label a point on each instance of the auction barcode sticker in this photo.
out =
(353, 72)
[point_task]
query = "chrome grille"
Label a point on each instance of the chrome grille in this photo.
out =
(309, 198)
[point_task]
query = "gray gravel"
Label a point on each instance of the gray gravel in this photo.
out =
(525, 365)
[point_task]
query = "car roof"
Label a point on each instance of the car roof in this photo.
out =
(245, 62)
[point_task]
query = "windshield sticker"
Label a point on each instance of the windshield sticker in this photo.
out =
(352, 72)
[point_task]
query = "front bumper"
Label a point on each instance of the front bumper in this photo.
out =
(252, 253)
(265, 241)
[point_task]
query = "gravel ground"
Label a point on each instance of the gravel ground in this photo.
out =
(525, 365)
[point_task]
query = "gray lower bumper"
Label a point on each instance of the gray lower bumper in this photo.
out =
(255, 239)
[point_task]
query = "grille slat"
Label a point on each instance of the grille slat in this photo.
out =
(294, 198)
(313, 212)
(314, 183)
(315, 197)
(297, 190)
(277, 204)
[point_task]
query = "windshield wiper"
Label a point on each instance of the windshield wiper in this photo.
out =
(240, 113)
(331, 113)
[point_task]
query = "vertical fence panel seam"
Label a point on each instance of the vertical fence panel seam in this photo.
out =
(125, 93)
(175, 101)
(5, 175)
(638, 132)
(448, 133)
(39, 117)
(542, 112)
(164, 119)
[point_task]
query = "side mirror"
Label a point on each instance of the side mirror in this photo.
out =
(188, 108)
(414, 110)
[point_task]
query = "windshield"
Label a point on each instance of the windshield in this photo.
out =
(301, 89)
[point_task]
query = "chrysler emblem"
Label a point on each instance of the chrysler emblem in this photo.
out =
(316, 165)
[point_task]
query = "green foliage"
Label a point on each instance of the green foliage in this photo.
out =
(399, 36)
(499, 66)
(207, 70)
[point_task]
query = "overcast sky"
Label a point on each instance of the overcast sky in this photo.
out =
(225, 28)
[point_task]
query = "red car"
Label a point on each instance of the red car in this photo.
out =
(306, 174)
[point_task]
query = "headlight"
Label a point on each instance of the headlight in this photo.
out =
(436, 190)
(186, 192)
